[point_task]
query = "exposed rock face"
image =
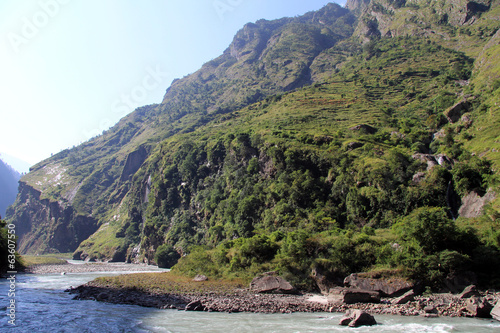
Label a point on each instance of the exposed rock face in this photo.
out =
(386, 287)
(433, 160)
(473, 204)
(357, 318)
(454, 113)
(134, 162)
(68, 229)
(271, 283)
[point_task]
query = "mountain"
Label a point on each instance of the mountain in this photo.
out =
(331, 141)
(8, 186)
(16, 163)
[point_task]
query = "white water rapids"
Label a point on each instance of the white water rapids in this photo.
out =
(43, 306)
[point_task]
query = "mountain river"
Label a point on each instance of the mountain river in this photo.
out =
(41, 305)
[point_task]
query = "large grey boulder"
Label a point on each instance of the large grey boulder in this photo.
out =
(270, 283)
(353, 296)
(407, 297)
(479, 307)
(495, 313)
(195, 306)
(469, 292)
(393, 287)
(356, 318)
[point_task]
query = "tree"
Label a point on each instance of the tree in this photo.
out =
(166, 256)
(431, 228)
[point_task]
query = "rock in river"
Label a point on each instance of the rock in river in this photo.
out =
(356, 318)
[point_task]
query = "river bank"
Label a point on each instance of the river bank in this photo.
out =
(87, 267)
(156, 291)
(43, 306)
(243, 300)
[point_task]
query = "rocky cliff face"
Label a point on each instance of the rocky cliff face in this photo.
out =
(44, 225)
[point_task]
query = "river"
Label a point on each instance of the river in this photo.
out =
(41, 305)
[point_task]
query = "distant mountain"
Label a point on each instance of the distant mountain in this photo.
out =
(8, 186)
(16, 163)
(341, 140)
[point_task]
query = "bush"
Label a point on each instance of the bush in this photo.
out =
(166, 256)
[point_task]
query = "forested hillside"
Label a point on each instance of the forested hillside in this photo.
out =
(8, 186)
(352, 139)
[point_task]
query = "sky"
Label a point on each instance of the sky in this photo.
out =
(70, 69)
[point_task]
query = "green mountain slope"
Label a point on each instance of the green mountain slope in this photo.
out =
(317, 142)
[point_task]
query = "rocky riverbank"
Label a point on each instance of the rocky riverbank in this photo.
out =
(88, 267)
(245, 301)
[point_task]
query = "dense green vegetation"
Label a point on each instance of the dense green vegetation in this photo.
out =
(318, 143)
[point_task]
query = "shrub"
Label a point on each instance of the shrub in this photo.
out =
(166, 256)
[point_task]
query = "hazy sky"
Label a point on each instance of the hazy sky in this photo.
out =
(70, 69)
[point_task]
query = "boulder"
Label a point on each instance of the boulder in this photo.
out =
(271, 283)
(430, 309)
(364, 129)
(200, 278)
(353, 296)
(458, 281)
(479, 307)
(469, 291)
(325, 280)
(455, 112)
(195, 306)
(392, 287)
(357, 318)
(406, 298)
(495, 313)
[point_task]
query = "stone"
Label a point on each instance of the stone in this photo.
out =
(479, 307)
(364, 128)
(458, 281)
(357, 318)
(353, 296)
(271, 283)
(455, 112)
(430, 309)
(354, 145)
(325, 280)
(409, 296)
(195, 306)
(392, 287)
(495, 313)
(200, 278)
(469, 291)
